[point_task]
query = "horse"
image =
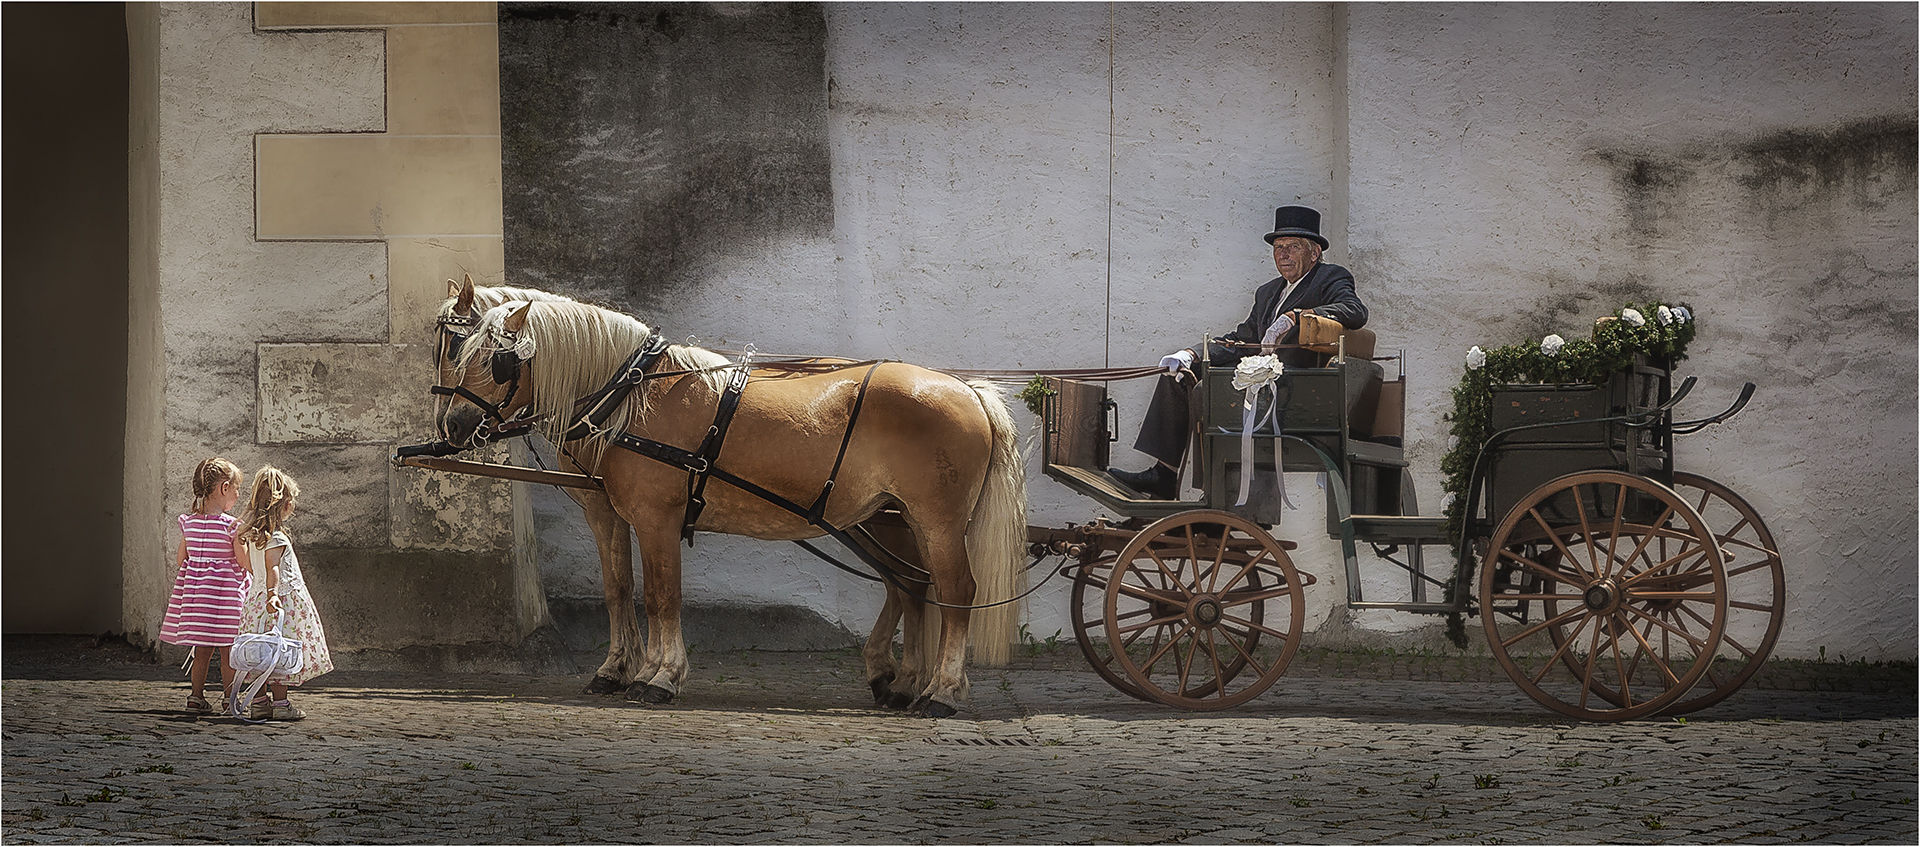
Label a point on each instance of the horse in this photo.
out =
(942, 451)
(893, 684)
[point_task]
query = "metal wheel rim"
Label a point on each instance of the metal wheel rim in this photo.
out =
(1756, 588)
(1646, 597)
(1190, 635)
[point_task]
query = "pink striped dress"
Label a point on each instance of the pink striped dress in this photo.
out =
(204, 610)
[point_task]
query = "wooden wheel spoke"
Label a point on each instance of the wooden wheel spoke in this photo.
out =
(1753, 607)
(1161, 652)
(1561, 545)
(1247, 599)
(1697, 644)
(1578, 577)
(1163, 620)
(1665, 668)
(1746, 569)
(1560, 655)
(1252, 567)
(1148, 594)
(1553, 621)
(1256, 626)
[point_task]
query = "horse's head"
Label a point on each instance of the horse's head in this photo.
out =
(487, 381)
(457, 319)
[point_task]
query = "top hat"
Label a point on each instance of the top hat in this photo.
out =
(1297, 221)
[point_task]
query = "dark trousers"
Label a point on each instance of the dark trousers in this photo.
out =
(1163, 434)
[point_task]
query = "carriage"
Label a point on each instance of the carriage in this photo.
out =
(1610, 585)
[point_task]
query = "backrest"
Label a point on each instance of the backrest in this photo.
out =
(1076, 424)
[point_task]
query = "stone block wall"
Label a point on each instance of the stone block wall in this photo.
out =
(319, 170)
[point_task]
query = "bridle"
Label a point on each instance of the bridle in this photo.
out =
(504, 367)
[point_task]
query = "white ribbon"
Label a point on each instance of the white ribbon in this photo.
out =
(1255, 375)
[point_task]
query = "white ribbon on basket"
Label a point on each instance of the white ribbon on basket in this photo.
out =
(1255, 375)
(271, 654)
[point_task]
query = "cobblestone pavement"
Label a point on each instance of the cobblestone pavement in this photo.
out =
(781, 748)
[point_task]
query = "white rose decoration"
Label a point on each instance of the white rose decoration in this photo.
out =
(1551, 345)
(1682, 314)
(1664, 315)
(1633, 316)
(1256, 370)
(1447, 501)
(1476, 359)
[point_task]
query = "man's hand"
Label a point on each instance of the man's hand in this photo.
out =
(1177, 361)
(1281, 326)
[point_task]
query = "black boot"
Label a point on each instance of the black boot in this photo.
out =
(1158, 482)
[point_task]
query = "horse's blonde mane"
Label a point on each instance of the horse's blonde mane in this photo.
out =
(577, 348)
(485, 298)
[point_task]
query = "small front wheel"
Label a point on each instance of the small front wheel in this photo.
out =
(1618, 590)
(1203, 611)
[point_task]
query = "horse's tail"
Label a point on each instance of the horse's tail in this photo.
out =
(997, 536)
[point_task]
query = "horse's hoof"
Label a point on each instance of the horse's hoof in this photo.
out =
(650, 694)
(603, 685)
(932, 708)
(880, 686)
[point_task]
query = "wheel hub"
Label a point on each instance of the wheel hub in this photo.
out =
(1204, 610)
(1602, 596)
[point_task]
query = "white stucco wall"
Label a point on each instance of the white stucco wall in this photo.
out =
(1051, 186)
(1494, 200)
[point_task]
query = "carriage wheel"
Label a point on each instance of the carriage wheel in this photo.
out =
(1631, 590)
(1756, 589)
(1089, 625)
(1187, 613)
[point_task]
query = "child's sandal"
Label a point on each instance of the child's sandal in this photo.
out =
(198, 705)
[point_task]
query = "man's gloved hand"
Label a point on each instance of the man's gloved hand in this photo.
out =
(1281, 326)
(1177, 361)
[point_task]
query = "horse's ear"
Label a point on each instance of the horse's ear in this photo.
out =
(463, 297)
(518, 320)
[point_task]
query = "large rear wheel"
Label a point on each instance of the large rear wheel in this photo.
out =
(1756, 589)
(1630, 591)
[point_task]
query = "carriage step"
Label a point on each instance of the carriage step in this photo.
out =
(1399, 529)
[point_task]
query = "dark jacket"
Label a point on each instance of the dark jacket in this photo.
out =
(1327, 290)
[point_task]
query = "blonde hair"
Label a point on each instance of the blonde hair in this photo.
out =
(207, 477)
(266, 514)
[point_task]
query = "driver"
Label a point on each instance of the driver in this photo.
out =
(1309, 285)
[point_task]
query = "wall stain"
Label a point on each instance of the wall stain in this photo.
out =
(1854, 160)
(642, 140)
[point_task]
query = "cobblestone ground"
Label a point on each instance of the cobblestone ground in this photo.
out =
(781, 748)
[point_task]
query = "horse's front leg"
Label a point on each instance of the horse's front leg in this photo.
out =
(612, 536)
(666, 652)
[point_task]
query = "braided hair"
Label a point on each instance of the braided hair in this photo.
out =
(207, 477)
(266, 513)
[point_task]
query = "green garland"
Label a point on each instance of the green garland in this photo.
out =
(1035, 394)
(1662, 332)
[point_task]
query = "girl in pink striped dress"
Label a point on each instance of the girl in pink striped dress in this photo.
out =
(210, 583)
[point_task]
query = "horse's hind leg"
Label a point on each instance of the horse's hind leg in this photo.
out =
(877, 653)
(947, 687)
(895, 684)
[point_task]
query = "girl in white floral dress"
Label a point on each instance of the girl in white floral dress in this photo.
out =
(283, 588)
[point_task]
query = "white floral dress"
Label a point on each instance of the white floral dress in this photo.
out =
(303, 620)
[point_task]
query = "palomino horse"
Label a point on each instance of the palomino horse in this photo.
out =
(850, 441)
(893, 684)
(457, 319)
